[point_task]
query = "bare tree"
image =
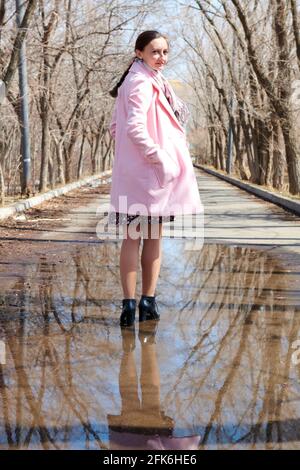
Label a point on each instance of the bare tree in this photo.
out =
(74, 55)
(246, 50)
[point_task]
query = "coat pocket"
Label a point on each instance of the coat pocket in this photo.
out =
(167, 169)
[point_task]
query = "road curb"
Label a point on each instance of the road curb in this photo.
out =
(282, 201)
(21, 206)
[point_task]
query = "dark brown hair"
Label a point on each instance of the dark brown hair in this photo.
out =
(142, 40)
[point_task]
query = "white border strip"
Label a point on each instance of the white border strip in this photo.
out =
(21, 206)
(282, 201)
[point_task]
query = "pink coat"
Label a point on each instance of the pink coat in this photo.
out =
(152, 171)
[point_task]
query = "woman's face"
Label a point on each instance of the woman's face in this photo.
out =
(155, 54)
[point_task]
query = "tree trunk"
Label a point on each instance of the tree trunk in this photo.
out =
(60, 160)
(289, 124)
(45, 100)
(2, 190)
(45, 147)
(291, 136)
(278, 156)
(80, 161)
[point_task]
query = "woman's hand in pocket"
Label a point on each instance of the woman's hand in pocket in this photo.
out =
(166, 168)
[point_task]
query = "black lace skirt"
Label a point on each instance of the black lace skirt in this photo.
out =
(119, 218)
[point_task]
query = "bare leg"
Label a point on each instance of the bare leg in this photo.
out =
(150, 381)
(129, 259)
(128, 380)
(151, 261)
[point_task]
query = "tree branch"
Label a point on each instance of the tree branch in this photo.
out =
(22, 31)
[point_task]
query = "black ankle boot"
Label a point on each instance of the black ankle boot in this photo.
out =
(148, 308)
(128, 312)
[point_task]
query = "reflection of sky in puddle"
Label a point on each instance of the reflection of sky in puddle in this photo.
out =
(220, 367)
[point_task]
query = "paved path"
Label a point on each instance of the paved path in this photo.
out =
(218, 371)
(234, 216)
(231, 216)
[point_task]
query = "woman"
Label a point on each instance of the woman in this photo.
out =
(153, 177)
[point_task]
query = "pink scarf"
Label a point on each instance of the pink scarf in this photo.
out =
(179, 107)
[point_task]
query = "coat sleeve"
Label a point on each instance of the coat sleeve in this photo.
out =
(139, 101)
(112, 126)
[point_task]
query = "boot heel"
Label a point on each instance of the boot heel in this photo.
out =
(127, 317)
(148, 309)
(142, 314)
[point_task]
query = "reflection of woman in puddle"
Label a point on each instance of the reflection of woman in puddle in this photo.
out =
(142, 424)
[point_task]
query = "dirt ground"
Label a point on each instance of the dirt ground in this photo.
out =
(49, 215)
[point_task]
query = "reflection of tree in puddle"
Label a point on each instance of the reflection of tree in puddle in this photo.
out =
(240, 319)
(45, 322)
(224, 349)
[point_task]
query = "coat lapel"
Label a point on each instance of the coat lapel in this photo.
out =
(165, 103)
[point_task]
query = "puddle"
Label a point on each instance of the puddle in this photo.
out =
(218, 371)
